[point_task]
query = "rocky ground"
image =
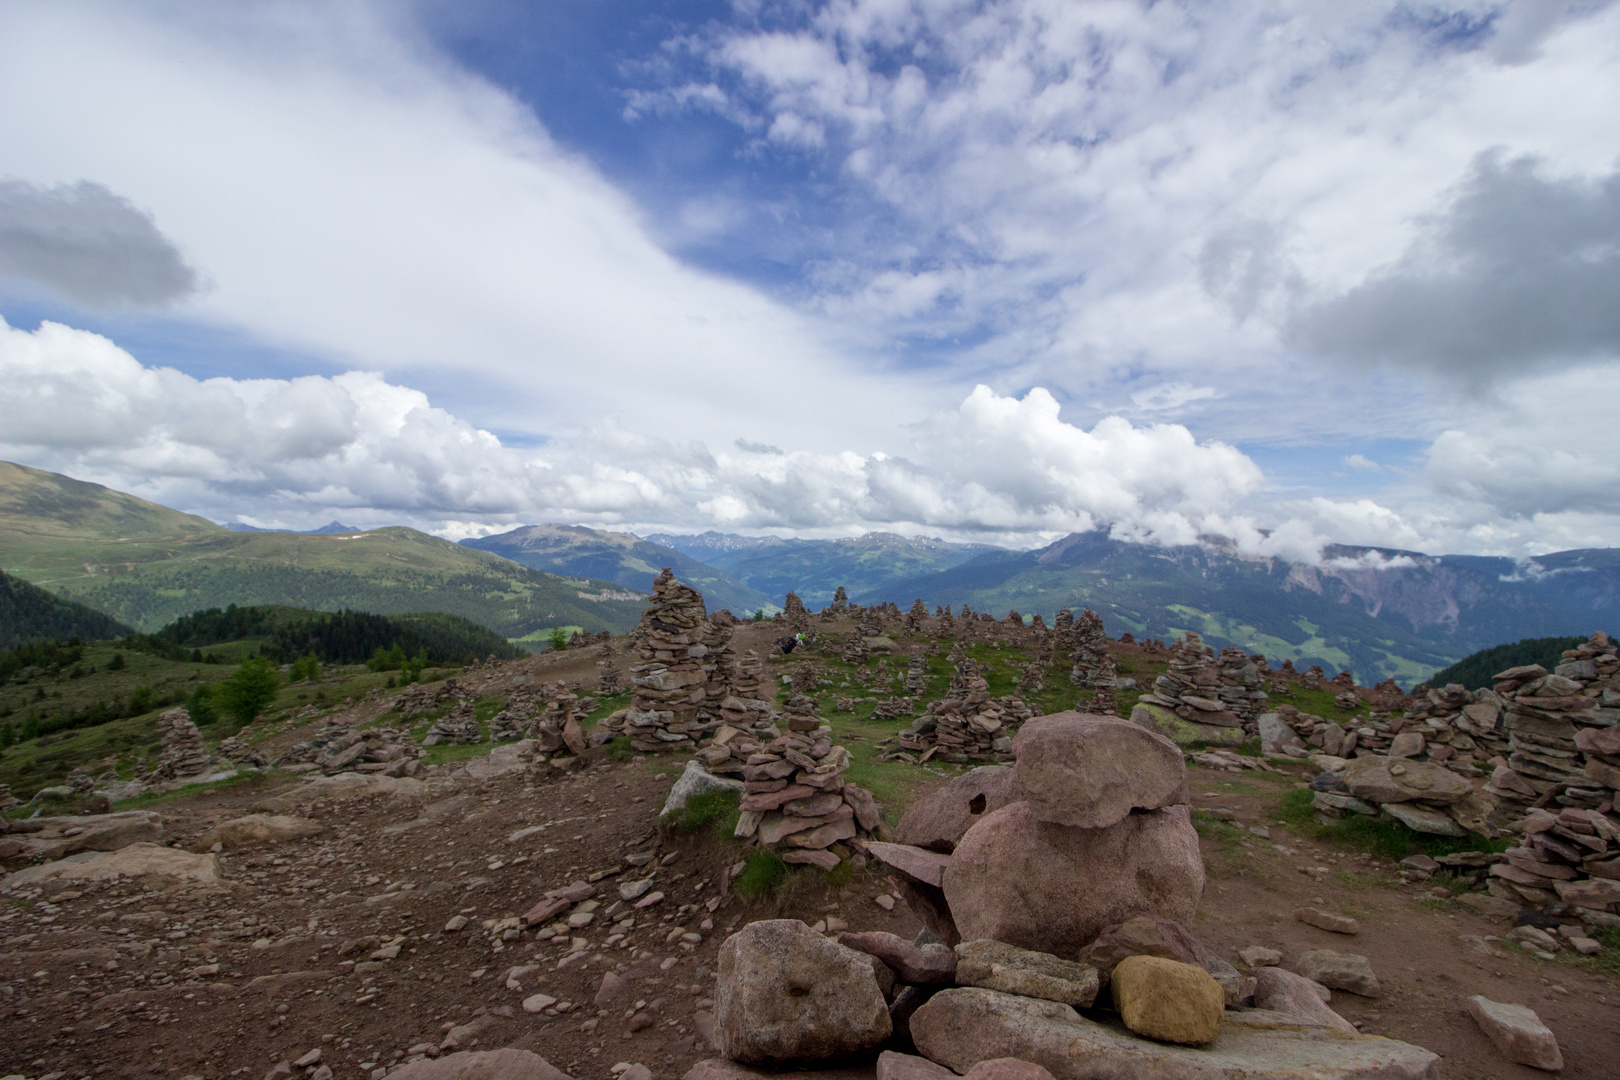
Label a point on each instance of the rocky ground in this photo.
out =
(398, 929)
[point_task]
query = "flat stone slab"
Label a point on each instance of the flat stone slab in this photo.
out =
(959, 1028)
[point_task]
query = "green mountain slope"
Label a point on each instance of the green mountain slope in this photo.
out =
(815, 568)
(29, 613)
(147, 565)
(619, 557)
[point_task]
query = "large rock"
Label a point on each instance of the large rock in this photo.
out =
(257, 829)
(1340, 971)
(1145, 935)
(1053, 888)
(343, 786)
(696, 780)
(959, 1028)
(91, 832)
(785, 993)
(1162, 721)
(938, 820)
(504, 1064)
(1517, 1032)
(1294, 995)
(1090, 772)
(1423, 819)
(919, 965)
(1397, 780)
(996, 965)
(1167, 1000)
(136, 860)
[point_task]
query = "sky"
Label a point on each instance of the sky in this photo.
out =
(1282, 274)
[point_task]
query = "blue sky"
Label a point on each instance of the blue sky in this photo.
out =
(1286, 274)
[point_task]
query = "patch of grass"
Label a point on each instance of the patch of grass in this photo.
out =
(620, 749)
(1609, 959)
(1378, 836)
(438, 755)
(244, 780)
(762, 875)
(719, 809)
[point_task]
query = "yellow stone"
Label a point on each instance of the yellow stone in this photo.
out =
(1167, 1000)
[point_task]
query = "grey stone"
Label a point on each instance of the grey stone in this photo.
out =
(995, 965)
(959, 1028)
(1339, 971)
(696, 780)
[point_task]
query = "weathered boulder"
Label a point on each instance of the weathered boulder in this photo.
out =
(959, 1028)
(1339, 971)
(938, 820)
(1394, 780)
(507, 1063)
(893, 1066)
(996, 965)
(1294, 995)
(1007, 1069)
(1037, 885)
(786, 993)
(695, 780)
(1090, 772)
(919, 965)
(1167, 1000)
(136, 860)
(1517, 1032)
(1144, 935)
(257, 829)
(343, 786)
(91, 832)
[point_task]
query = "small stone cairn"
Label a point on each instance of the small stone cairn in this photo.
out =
(967, 724)
(1104, 701)
(607, 678)
(384, 750)
(459, 725)
(241, 754)
(914, 617)
(855, 648)
(795, 798)
(183, 753)
(1194, 689)
(1090, 648)
(916, 673)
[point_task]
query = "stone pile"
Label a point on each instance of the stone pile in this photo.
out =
(561, 724)
(384, 750)
(607, 678)
(459, 725)
(1063, 636)
(183, 752)
(793, 612)
(1033, 680)
(855, 649)
(1090, 647)
(418, 699)
(1105, 677)
(795, 800)
(1571, 857)
(679, 686)
(967, 724)
(241, 754)
(840, 602)
(915, 616)
(1424, 796)
(1198, 691)
(746, 708)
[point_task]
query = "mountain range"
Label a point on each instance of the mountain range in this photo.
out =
(145, 564)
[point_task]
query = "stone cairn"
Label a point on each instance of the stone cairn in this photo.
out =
(1090, 648)
(680, 687)
(840, 602)
(1104, 701)
(418, 699)
(385, 750)
(183, 753)
(561, 723)
(1063, 636)
(1195, 689)
(745, 708)
(241, 754)
(793, 612)
(607, 678)
(914, 617)
(459, 725)
(968, 723)
(1033, 680)
(855, 648)
(795, 798)
(916, 674)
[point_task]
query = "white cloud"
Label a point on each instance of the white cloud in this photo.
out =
(1363, 462)
(372, 451)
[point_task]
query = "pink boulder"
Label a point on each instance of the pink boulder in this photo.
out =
(1089, 772)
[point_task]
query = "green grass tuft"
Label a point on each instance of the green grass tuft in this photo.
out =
(620, 749)
(717, 808)
(762, 875)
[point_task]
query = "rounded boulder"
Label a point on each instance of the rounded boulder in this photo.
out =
(784, 994)
(1052, 888)
(1089, 772)
(938, 820)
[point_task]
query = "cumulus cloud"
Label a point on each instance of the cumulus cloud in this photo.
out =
(89, 245)
(360, 445)
(1519, 270)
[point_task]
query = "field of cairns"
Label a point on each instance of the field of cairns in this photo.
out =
(862, 841)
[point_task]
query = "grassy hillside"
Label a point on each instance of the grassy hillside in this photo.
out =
(147, 565)
(622, 558)
(815, 568)
(29, 613)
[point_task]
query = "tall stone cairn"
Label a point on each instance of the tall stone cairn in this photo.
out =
(183, 752)
(793, 612)
(1033, 680)
(1063, 640)
(607, 678)
(916, 673)
(1090, 647)
(915, 616)
(840, 601)
(1104, 700)
(795, 798)
(679, 686)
